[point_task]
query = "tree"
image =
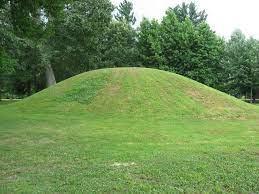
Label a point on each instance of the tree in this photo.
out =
(78, 37)
(7, 65)
(149, 47)
(253, 52)
(175, 39)
(189, 11)
(30, 21)
(236, 64)
(13, 48)
(192, 51)
(207, 52)
(241, 63)
(120, 47)
(125, 13)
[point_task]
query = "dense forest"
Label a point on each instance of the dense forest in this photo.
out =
(44, 42)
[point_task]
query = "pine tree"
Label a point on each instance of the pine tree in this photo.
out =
(125, 13)
(190, 11)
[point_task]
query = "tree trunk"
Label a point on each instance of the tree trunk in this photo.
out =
(50, 77)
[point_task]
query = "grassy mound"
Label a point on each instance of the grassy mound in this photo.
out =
(136, 92)
(129, 130)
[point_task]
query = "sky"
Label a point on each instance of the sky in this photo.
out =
(224, 16)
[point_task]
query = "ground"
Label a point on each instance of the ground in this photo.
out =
(7, 101)
(129, 130)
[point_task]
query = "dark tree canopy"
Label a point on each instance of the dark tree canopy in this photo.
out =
(28, 27)
(79, 36)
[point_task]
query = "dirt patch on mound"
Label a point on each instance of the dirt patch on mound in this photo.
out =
(208, 100)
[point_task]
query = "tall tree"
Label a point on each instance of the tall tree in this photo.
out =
(78, 37)
(241, 63)
(30, 22)
(253, 52)
(125, 13)
(7, 62)
(16, 49)
(193, 51)
(120, 47)
(190, 11)
(7, 65)
(207, 52)
(149, 47)
(236, 62)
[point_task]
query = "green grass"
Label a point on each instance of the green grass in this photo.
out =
(5, 102)
(129, 130)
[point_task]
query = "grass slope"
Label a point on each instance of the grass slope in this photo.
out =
(129, 130)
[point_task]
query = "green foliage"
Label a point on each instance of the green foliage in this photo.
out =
(29, 18)
(7, 39)
(182, 47)
(241, 61)
(119, 46)
(207, 52)
(71, 36)
(253, 52)
(26, 27)
(78, 36)
(193, 51)
(125, 13)
(189, 11)
(149, 44)
(6, 63)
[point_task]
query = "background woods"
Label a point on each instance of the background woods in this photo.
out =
(44, 42)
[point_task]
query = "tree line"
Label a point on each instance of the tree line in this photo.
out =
(45, 41)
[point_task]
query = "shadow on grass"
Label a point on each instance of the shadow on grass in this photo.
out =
(7, 101)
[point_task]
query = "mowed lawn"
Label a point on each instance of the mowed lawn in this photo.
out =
(71, 144)
(4, 102)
